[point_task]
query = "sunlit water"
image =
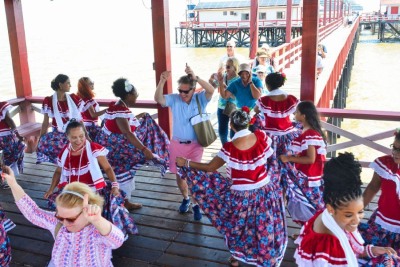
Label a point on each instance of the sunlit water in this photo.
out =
(105, 41)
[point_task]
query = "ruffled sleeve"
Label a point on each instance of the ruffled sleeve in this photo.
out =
(47, 106)
(116, 111)
(309, 138)
(87, 103)
(248, 159)
(4, 108)
(387, 169)
(98, 150)
(78, 102)
(277, 109)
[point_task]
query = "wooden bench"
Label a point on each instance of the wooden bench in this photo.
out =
(30, 131)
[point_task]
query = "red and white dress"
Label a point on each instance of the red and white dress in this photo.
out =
(246, 206)
(383, 227)
(305, 186)
(12, 147)
(91, 123)
(51, 143)
(124, 157)
(85, 168)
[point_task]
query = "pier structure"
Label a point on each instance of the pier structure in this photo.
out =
(386, 27)
(167, 238)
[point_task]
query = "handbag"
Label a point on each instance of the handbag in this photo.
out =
(229, 108)
(202, 127)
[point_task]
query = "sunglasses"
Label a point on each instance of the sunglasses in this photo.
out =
(184, 91)
(227, 67)
(69, 220)
(395, 149)
(229, 46)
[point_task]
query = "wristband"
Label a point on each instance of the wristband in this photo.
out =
(368, 249)
(114, 185)
(187, 163)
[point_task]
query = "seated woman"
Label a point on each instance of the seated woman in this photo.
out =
(90, 111)
(383, 227)
(76, 226)
(131, 142)
(246, 207)
(80, 161)
(331, 238)
(10, 141)
(61, 107)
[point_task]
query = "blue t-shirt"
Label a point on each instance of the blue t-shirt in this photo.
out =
(243, 93)
(181, 113)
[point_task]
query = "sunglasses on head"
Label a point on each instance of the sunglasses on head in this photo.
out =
(69, 220)
(184, 91)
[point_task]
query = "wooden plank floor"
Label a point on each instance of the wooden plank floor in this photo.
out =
(166, 238)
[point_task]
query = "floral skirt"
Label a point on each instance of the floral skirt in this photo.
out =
(302, 201)
(93, 130)
(253, 221)
(5, 246)
(113, 209)
(376, 235)
(126, 159)
(50, 145)
(13, 150)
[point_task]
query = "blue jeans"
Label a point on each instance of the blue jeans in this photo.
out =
(223, 126)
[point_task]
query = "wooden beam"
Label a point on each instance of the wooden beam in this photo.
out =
(253, 28)
(162, 55)
(360, 114)
(288, 37)
(309, 50)
(19, 56)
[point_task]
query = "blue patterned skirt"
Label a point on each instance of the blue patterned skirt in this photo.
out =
(113, 209)
(126, 159)
(253, 221)
(50, 145)
(13, 150)
(93, 130)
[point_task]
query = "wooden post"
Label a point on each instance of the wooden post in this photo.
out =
(325, 5)
(330, 11)
(19, 57)
(162, 55)
(288, 21)
(309, 50)
(253, 28)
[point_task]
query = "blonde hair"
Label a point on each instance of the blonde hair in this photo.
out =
(68, 200)
(235, 63)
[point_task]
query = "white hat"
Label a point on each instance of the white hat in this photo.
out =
(244, 67)
(260, 68)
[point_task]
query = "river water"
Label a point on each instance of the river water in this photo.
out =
(106, 41)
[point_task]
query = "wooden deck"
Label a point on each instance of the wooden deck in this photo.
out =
(166, 238)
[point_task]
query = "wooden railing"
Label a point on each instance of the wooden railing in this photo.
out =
(376, 18)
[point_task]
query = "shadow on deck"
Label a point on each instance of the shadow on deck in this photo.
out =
(166, 238)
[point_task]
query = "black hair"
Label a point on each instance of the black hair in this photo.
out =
(240, 120)
(274, 80)
(308, 109)
(60, 78)
(118, 88)
(187, 79)
(397, 135)
(72, 124)
(342, 181)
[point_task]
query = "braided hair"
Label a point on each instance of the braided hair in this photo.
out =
(240, 119)
(308, 109)
(342, 181)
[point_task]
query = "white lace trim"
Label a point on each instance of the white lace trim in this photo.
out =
(386, 173)
(245, 187)
(387, 223)
(245, 165)
(276, 113)
(297, 148)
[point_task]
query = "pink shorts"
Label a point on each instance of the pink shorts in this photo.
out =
(192, 151)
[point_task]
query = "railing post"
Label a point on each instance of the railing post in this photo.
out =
(253, 28)
(162, 55)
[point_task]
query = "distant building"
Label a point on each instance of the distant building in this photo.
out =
(239, 11)
(392, 8)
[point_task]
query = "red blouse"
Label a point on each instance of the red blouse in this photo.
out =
(246, 167)
(47, 108)
(89, 102)
(388, 212)
(4, 128)
(116, 111)
(300, 145)
(77, 167)
(277, 113)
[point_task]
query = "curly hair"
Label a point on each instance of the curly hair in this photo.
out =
(118, 88)
(84, 90)
(60, 78)
(342, 181)
(275, 80)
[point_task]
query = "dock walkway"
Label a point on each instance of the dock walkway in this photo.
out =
(166, 238)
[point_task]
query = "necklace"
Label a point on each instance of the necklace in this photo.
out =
(70, 165)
